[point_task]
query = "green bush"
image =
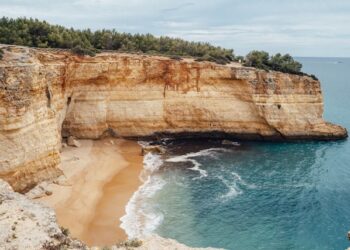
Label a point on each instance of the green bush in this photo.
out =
(283, 63)
(314, 77)
(257, 59)
(35, 33)
(83, 51)
(177, 58)
(1, 54)
(65, 231)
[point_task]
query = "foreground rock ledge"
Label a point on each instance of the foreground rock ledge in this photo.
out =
(48, 93)
(26, 224)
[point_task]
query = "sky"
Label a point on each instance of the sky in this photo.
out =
(298, 27)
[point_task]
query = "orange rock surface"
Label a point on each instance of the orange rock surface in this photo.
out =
(47, 93)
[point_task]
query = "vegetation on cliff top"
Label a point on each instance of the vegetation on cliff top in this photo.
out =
(34, 33)
(283, 63)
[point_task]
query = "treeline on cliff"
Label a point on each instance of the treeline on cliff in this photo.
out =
(35, 33)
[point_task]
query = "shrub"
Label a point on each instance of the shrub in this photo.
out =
(36, 33)
(65, 231)
(1, 54)
(257, 59)
(177, 58)
(83, 51)
(130, 243)
(314, 77)
(217, 59)
(283, 63)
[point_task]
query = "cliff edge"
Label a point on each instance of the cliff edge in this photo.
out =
(45, 94)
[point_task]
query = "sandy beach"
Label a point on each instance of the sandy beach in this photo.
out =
(101, 177)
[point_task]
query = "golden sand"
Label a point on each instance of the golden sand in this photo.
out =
(101, 177)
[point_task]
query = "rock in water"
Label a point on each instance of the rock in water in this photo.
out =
(233, 143)
(157, 149)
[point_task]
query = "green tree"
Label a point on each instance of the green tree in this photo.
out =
(36, 33)
(257, 59)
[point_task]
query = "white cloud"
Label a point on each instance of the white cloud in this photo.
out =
(303, 28)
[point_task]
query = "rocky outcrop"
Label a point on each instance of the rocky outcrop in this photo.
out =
(29, 225)
(48, 93)
(156, 242)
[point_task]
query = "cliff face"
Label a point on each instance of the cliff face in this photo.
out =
(46, 93)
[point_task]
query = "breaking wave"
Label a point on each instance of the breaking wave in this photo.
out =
(141, 218)
(234, 184)
(196, 165)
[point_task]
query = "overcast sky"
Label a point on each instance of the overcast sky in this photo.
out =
(299, 27)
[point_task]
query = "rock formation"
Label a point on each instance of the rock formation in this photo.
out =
(26, 224)
(45, 94)
(29, 225)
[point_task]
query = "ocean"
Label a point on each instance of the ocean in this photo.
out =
(253, 195)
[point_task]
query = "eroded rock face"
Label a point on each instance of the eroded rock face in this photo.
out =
(29, 225)
(46, 93)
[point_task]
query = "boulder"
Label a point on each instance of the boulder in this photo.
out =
(228, 142)
(73, 142)
(62, 181)
(156, 149)
(39, 191)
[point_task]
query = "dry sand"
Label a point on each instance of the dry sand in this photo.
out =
(101, 177)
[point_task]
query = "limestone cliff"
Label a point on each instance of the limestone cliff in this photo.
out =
(46, 93)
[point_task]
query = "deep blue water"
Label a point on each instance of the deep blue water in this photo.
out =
(264, 195)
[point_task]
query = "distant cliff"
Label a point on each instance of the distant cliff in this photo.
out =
(47, 93)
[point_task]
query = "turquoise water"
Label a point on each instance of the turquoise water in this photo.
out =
(263, 195)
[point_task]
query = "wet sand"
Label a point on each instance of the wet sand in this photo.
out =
(101, 178)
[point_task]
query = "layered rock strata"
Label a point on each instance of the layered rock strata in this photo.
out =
(45, 94)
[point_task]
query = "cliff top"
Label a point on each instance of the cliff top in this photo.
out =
(16, 55)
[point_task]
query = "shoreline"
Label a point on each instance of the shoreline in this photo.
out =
(101, 177)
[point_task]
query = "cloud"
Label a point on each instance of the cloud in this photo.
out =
(303, 28)
(179, 7)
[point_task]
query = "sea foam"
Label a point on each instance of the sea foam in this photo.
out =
(141, 219)
(196, 165)
(234, 184)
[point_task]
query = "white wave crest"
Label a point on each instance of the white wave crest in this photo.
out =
(141, 219)
(233, 183)
(233, 189)
(239, 179)
(196, 164)
(152, 162)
